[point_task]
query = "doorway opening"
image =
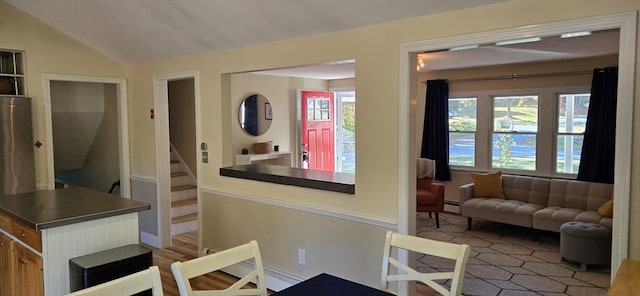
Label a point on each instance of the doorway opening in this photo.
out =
(87, 138)
(626, 23)
(176, 120)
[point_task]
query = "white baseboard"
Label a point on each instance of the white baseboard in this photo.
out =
(149, 239)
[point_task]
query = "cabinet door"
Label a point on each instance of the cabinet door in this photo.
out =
(6, 267)
(29, 280)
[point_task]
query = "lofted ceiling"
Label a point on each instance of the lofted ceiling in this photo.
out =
(140, 31)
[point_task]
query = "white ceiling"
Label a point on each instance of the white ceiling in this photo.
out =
(140, 31)
(547, 49)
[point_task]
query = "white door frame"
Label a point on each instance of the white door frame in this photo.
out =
(163, 165)
(625, 22)
(123, 125)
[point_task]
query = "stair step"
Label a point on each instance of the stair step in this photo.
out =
(174, 161)
(178, 174)
(183, 187)
(184, 202)
(185, 218)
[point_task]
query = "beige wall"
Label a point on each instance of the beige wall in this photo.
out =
(331, 244)
(48, 51)
(375, 49)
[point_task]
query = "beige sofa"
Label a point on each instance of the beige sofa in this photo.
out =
(539, 203)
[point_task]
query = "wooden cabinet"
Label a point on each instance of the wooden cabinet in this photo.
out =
(6, 278)
(20, 269)
(28, 277)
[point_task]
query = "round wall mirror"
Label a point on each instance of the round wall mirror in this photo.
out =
(255, 115)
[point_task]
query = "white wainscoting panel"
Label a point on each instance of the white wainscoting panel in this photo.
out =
(59, 244)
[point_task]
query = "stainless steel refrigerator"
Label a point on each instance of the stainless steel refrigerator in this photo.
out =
(17, 166)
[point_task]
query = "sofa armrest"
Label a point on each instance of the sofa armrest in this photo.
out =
(466, 192)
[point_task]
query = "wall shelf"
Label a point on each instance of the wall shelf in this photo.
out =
(280, 158)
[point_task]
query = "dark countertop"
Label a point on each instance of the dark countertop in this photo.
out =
(52, 208)
(323, 180)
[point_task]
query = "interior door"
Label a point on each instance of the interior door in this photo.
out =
(317, 130)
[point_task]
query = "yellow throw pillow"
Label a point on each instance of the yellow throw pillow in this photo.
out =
(487, 185)
(606, 210)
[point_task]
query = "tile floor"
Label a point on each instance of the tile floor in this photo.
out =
(507, 260)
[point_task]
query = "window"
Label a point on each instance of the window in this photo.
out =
(318, 109)
(462, 131)
(346, 132)
(12, 72)
(515, 127)
(572, 118)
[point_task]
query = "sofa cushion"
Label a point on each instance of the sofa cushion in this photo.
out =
(487, 185)
(526, 189)
(512, 212)
(586, 196)
(551, 218)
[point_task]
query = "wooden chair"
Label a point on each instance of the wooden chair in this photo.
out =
(457, 252)
(183, 271)
(127, 285)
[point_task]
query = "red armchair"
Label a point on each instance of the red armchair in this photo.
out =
(430, 197)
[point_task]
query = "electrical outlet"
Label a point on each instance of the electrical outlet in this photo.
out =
(302, 254)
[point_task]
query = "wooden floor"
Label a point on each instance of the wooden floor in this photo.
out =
(185, 247)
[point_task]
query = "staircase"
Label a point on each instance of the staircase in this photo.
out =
(184, 202)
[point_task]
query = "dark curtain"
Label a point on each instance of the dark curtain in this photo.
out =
(598, 148)
(251, 115)
(435, 134)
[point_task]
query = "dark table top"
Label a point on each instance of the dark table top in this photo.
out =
(52, 208)
(316, 179)
(329, 285)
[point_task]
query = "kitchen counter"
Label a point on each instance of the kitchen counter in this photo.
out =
(53, 208)
(53, 226)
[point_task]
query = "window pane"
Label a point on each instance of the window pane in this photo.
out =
(572, 113)
(513, 151)
(568, 154)
(515, 113)
(462, 147)
(462, 114)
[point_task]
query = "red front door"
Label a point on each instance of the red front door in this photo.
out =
(318, 130)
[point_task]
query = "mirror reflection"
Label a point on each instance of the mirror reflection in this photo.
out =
(255, 115)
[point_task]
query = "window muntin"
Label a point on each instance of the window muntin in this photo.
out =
(462, 131)
(318, 109)
(571, 122)
(514, 133)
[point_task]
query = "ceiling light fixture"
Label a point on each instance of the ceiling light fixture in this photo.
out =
(575, 34)
(518, 41)
(463, 47)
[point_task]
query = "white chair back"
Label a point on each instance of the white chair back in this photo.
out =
(183, 271)
(457, 252)
(127, 285)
